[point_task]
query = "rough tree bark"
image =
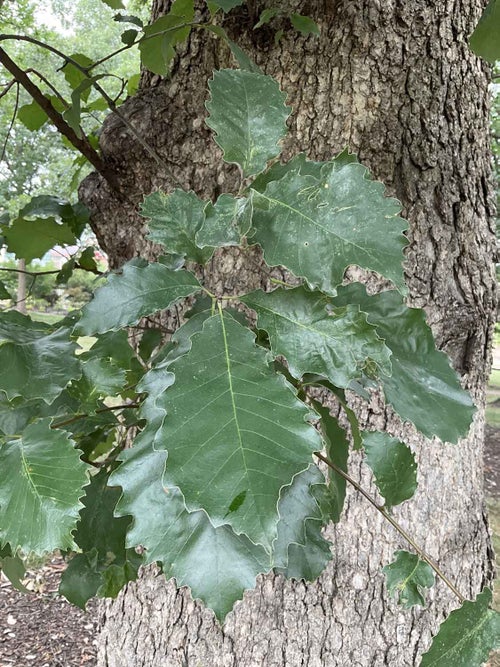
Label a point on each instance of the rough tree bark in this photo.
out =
(395, 82)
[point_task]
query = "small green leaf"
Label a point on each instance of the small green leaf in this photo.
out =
(239, 424)
(174, 220)
(128, 37)
(266, 16)
(74, 76)
(81, 92)
(158, 50)
(485, 40)
(304, 24)
(216, 564)
(467, 636)
(247, 114)
(393, 464)
(406, 577)
(226, 222)
(41, 482)
(317, 227)
(31, 239)
(87, 261)
(35, 362)
(300, 550)
(141, 289)
(32, 116)
(335, 343)
(423, 387)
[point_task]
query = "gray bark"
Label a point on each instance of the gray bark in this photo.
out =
(395, 82)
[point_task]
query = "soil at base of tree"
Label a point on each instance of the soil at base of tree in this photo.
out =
(41, 629)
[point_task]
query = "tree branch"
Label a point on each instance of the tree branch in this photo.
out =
(420, 552)
(81, 144)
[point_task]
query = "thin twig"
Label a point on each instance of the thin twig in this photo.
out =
(7, 86)
(47, 83)
(109, 408)
(12, 121)
(420, 552)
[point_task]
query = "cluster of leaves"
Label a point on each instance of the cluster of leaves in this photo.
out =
(220, 484)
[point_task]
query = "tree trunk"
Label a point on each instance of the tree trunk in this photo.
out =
(396, 83)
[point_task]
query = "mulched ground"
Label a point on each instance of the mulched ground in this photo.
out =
(41, 629)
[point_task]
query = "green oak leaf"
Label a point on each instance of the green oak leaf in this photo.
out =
(41, 482)
(106, 377)
(467, 636)
(406, 576)
(337, 343)
(72, 115)
(485, 40)
(15, 415)
(226, 222)
(235, 431)
(174, 220)
(157, 47)
(105, 561)
(304, 166)
(423, 388)
(317, 227)
(31, 239)
(393, 465)
(81, 579)
(266, 16)
(248, 114)
(337, 451)
(35, 362)
(300, 550)
(304, 24)
(74, 76)
(75, 216)
(128, 37)
(32, 116)
(216, 564)
(140, 289)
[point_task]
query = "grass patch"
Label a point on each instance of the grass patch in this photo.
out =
(494, 381)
